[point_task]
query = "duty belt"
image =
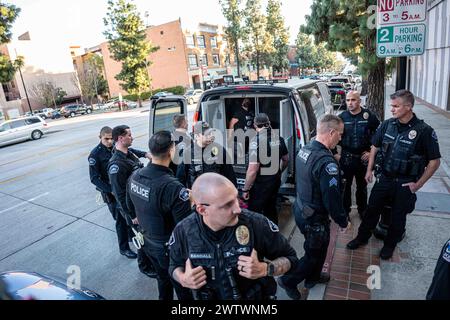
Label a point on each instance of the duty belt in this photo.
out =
(349, 154)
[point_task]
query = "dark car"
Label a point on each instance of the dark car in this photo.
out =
(338, 93)
(74, 109)
(18, 285)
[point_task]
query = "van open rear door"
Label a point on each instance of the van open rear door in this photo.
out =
(213, 112)
(162, 111)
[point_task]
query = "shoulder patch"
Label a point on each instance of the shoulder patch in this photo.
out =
(113, 169)
(92, 161)
(434, 135)
(446, 253)
(332, 169)
(184, 194)
(333, 182)
(273, 227)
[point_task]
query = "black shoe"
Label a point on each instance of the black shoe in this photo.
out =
(151, 274)
(128, 253)
(386, 252)
(355, 244)
(324, 278)
(292, 293)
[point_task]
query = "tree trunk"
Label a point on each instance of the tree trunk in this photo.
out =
(257, 65)
(236, 45)
(364, 86)
(375, 97)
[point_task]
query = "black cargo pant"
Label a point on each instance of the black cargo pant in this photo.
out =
(122, 229)
(317, 239)
(353, 167)
(388, 190)
(263, 198)
(158, 255)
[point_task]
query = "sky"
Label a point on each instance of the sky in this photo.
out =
(80, 22)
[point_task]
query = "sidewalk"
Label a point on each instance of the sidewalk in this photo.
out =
(408, 274)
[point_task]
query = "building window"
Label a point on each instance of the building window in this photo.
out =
(216, 60)
(213, 42)
(204, 60)
(161, 32)
(201, 41)
(193, 61)
(190, 41)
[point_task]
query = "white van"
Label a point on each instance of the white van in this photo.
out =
(22, 129)
(293, 107)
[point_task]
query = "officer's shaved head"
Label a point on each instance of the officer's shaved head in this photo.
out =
(207, 186)
(105, 130)
(355, 94)
(327, 123)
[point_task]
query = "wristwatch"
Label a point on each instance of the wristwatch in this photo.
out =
(270, 268)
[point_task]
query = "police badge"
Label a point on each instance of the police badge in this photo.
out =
(242, 235)
(366, 115)
(412, 134)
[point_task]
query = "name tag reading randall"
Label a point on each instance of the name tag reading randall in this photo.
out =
(140, 190)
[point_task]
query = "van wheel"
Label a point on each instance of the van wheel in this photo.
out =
(36, 135)
(72, 114)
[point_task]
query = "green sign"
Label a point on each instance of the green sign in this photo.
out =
(401, 40)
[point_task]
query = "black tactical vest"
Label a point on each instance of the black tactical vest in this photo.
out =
(219, 260)
(356, 137)
(145, 193)
(200, 165)
(308, 187)
(398, 157)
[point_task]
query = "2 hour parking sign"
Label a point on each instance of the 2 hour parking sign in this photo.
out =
(398, 31)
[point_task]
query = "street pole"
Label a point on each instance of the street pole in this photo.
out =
(24, 87)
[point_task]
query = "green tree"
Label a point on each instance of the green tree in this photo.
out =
(233, 15)
(128, 45)
(324, 59)
(8, 14)
(47, 94)
(92, 81)
(343, 24)
(276, 27)
(305, 51)
(259, 42)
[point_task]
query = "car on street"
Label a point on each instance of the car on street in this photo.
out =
(161, 94)
(127, 104)
(338, 93)
(22, 129)
(75, 109)
(19, 285)
(192, 96)
(345, 80)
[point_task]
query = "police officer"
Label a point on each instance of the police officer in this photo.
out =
(440, 286)
(224, 253)
(359, 126)
(318, 183)
(182, 139)
(409, 157)
(98, 172)
(204, 155)
(160, 202)
(263, 177)
(121, 165)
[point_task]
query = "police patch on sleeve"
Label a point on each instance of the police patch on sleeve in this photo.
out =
(332, 169)
(113, 169)
(184, 194)
(434, 135)
(446, 253)
(333, 182)
(273, 227)
(92, 162)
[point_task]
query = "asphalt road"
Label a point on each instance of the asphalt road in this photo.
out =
(50, 218)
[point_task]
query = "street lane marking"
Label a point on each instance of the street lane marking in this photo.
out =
(25, 202)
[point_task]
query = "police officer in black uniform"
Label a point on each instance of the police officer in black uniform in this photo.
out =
(121, 165)
(204, 155)
(440, 286)
(318, 184)
(241, 120)
(359, 126)
(98, 172)
(160, 202)
(181, 138)
(409, 157)
(263, 177)
(224, 253)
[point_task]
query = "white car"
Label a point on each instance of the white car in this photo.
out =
(192, 96)
(22, 129)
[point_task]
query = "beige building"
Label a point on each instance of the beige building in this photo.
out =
(41, 67)
(185, 58)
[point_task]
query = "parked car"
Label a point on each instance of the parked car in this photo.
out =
(74, 109)
(345, 80)
(19, 285)
(22, 129)
(338, 93)
(192, 96)
(293, 108)
(127, 104)
(161, 94)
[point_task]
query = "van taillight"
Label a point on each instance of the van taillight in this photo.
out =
(297, 129)
(243, 88)
(196, 117)
(341, 92)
